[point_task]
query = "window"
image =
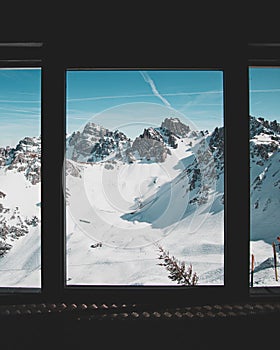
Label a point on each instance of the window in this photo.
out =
(20, 173)
(79, 259)
(20, 168)
(144, 177)
(264, 170)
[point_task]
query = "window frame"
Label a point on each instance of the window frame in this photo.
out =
(235, 286)
(263, 54)
(55, 58)
(150, 293)
(24, 55)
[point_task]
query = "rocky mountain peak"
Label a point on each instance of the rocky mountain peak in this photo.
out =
(149, 145)
(264, 178)
(175, 126)
(264, 138)
(261, 125)
(94, 143)
(25, 157)
(92, 129)
(151, 133)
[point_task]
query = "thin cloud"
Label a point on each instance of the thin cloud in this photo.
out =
(80, 118)
(18, 101)
(155, 91)
(266, 90)
(95, 98)
(34, 111)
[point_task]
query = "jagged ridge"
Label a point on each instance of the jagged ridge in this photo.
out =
(265, 178)
(25, 157)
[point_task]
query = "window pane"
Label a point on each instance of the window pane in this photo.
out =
(144, 177)
(20, 180)
(264, 83)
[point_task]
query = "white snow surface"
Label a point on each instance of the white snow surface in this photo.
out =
(117, 216)
(21, 266)
(264, 267)
(265, 204)
(131, 209)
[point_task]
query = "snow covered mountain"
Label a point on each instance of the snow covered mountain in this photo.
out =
(265, 196)
(165, 186)
(125, 197)
(20, 214)
(25, 157)
(197, 182)
(265, 179)
(95, 143)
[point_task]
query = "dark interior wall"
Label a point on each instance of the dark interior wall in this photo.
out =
(138, 36)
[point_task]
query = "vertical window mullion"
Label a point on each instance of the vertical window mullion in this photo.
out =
(52, 192)
(237, 180)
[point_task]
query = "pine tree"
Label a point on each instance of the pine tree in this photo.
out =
(177, 269)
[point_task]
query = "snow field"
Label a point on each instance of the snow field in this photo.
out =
(21, 266)
(131, 209)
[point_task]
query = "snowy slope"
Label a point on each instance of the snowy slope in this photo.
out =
(126, 197)
(20, 215)
(120, 210)
(265, 197)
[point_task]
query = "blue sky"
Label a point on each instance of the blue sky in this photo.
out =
(20, 105)
(130, 100)
(264, 97)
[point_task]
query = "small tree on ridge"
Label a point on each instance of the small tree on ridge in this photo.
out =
(177, 269)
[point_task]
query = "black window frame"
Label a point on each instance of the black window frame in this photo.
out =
(56, 57)
(263, 54)
(23, 55)
(130, 293)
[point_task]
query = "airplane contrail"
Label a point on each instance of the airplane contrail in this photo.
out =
(95, 98)
(266, 90)
(148, 80)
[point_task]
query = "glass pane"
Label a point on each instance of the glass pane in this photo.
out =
(20, 177)
(264, 83)
(144, 177)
